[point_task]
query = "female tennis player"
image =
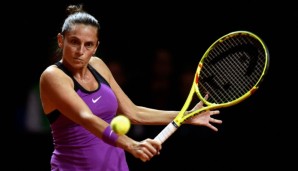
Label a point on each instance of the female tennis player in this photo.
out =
(80, 97)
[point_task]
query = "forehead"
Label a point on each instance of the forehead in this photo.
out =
(83, 31)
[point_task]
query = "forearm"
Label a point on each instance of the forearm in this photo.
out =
(149, 116)
(125, 142)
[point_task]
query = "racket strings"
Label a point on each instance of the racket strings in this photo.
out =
(232, 68)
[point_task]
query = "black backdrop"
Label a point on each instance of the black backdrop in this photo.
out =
(257, 133)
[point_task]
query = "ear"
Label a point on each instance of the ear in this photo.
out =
(60, 40)
(96, 47)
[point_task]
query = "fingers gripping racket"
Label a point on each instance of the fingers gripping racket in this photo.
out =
(229, 72)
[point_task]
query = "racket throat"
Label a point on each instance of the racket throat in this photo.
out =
(175, 124)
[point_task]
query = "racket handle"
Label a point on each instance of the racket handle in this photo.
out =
(166, 132)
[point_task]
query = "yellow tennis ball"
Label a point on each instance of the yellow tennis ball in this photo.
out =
(120, 124)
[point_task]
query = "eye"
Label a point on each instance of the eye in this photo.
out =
(74, 42)
(89, 45)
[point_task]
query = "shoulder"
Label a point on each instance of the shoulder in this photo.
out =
(52, 73)
(49, 71)
(100, 66)
(94, 61)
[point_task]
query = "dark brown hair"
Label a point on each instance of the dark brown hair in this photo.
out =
(76, 15)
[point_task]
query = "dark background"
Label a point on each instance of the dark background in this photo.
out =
(258, 133)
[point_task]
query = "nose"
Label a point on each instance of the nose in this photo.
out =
(81, 49)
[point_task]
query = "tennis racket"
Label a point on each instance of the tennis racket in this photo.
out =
(230, 71)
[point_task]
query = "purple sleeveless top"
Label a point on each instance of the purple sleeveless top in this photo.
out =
(75, 148)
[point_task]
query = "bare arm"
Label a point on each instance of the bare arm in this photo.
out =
(57, 92)
(149, 116)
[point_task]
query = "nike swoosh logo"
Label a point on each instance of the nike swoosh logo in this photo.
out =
(95, 100)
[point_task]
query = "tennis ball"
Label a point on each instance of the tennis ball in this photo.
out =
(120, 124)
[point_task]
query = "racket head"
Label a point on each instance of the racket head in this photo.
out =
(231, 69)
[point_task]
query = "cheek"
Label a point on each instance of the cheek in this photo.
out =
(88, 55)
(68, 50)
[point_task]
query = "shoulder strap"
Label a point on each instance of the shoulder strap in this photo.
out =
(97, 75)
